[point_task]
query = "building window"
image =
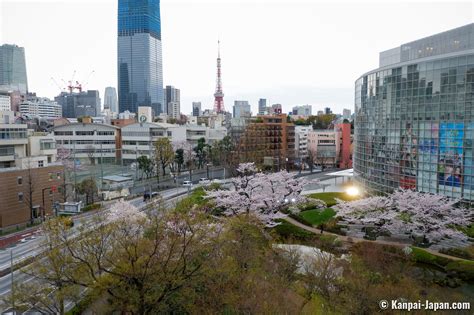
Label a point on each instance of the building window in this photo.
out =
(40, 163)
(58, 175)
(50, 176)
(20, 196)
(19, 180)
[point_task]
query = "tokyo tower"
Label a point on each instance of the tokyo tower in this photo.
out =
(218, 95)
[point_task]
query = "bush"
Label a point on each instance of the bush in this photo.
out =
(463, 268)
(466, 253)
(93, 206)
(288, 230)
(330, 197)
(422, 256)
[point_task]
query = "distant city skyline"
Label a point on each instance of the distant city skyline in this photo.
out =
(313, 58)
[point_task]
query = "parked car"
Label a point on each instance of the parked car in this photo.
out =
(204, 181)
(147, 195)
(187, 183)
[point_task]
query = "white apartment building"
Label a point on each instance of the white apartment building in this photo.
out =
(41, 107)
(174, 110)
(138, 139)
(5, 104)
(24, 148)
(90, 143)
(301, 141)
(13, 140)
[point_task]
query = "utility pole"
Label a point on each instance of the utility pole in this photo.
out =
(75, 174)
(11, 274)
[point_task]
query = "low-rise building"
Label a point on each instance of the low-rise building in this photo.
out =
(89, 142)
(138, 139)
(331, 147)
(28, 192)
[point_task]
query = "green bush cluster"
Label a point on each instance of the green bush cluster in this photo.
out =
(93, 206)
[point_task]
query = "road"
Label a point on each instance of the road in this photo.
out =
(31, 246)
(171, 197)
(147, 184)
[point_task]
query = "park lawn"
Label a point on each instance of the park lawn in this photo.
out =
(316, 217)
(329, 197)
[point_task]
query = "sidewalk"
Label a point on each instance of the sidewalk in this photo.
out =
(350, 239)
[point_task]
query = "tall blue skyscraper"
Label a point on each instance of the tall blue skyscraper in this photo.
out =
(140, 65)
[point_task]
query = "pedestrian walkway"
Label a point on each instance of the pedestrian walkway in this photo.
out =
(350, 239)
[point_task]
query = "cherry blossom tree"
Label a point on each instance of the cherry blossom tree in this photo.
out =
(262, 195)
(123, 211)
(433, 217)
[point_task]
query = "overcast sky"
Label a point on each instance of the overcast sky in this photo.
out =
(289, 51)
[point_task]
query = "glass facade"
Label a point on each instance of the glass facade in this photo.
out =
(13, 68)
(414, 122)
(140, 66)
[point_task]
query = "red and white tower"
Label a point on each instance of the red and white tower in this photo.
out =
(219, 95)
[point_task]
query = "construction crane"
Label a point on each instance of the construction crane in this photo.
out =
(70, 86)
(56, 83)
(85, 81)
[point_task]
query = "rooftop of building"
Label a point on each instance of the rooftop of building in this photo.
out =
(451, 41)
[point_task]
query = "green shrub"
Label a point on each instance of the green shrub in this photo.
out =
(422, 256)
(464, 268)
(469, 230)
(93, 206)
(466, 253)
(288, 230)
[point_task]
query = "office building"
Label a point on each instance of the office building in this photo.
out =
(346, 113)
(275, 109)
(262, 106)
(172, 101)
(74, 105)
(303, 110)
(269, 141)
(327, 110)
(139, 64)
(41, 107)
(5, 103)
(197, 111)
(110, 99)
(320, 113)
(13, 69)
(241, 109)
(414, 117)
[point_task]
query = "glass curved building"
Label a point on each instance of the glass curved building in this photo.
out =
(414, 119)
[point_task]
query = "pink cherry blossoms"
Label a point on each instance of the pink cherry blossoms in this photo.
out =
(260, 194)
(410, 212)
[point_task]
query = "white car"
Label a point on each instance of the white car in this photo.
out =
(187, 183)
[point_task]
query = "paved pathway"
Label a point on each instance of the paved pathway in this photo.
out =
(350, 239)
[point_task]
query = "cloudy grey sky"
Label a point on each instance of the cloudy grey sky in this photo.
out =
(288, 51)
